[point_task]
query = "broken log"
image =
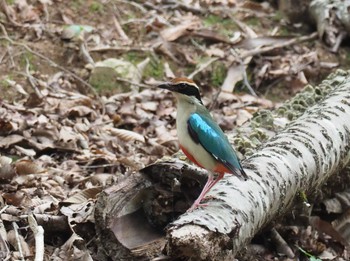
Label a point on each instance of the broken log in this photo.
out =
(298, 158)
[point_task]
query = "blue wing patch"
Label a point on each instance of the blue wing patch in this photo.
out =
(205, 131)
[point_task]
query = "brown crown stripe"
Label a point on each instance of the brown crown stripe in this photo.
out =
(188, 89)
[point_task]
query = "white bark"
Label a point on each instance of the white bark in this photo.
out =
(299, 158)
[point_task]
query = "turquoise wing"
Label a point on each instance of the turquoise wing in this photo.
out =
(204, 130)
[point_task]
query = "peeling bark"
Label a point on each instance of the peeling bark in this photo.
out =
(299, 158)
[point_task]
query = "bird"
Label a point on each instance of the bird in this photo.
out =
(200, 137)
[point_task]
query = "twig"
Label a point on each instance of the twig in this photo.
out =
(32, 81)
(52, 63)
(133, 3)
(85, 53)
(46, 12)
(15, 229)
(134, 21)
(215, 98)
(4, 8)
(133, 83)
(278, 45)
(117, 25)
(9, 50)
(2, 56)
(39, 238)
(4, 243)
(203, 66)
(174, 5)
(151, 6)
(8, 47)
(121, 48)
(197, 45)
(281, 244)
(101, 166)
(244, 72)
(338, 41)
(120, 30)
(3, 209)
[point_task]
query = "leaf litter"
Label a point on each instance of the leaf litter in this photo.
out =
(60, 147)
(59, 153)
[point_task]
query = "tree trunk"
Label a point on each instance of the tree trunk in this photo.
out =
(299, 158)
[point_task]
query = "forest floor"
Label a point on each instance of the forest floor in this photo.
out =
(79, 111)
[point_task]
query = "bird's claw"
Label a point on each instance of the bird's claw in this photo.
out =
(196, 205)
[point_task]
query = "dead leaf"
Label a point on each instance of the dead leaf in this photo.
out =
(254, 43)
(83, 196)
(149, 106)
(15, 199)
(14, 241)
(79, 213)
(325, 227)
(103, 179)
(25, 152)
(27, 12)
(173, 33)
(242, 117)
(26, 167)
(126, 135)
(7, 141)
(233, 76)
(81, 111)
(74, 249)
(7, 170)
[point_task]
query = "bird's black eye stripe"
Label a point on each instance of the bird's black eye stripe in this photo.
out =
(189, 90)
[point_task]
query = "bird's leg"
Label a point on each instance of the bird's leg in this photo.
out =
(201, 196)
(220, 176)
(210, 183)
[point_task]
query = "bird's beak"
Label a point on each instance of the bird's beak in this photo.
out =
(167, 86)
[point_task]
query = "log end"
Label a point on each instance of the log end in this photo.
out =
(198, 243)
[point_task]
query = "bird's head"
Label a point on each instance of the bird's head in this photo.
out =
(183, 88)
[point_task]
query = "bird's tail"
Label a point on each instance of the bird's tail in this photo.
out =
(243, 174)
(237, 171)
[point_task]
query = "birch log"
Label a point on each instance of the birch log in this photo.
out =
(299, 158)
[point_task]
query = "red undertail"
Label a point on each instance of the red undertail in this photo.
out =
(219, 168)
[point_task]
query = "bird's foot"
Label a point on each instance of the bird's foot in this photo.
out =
(195, 205)
(210, 197)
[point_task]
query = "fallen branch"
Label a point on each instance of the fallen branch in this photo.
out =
(19, 240)
(299, 158)
(39, 238)
(295, 159)
(266, 49)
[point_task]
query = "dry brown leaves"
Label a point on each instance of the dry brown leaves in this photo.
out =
(59, 152)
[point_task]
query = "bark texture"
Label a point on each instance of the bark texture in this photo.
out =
(299, 158)
(305, 146)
